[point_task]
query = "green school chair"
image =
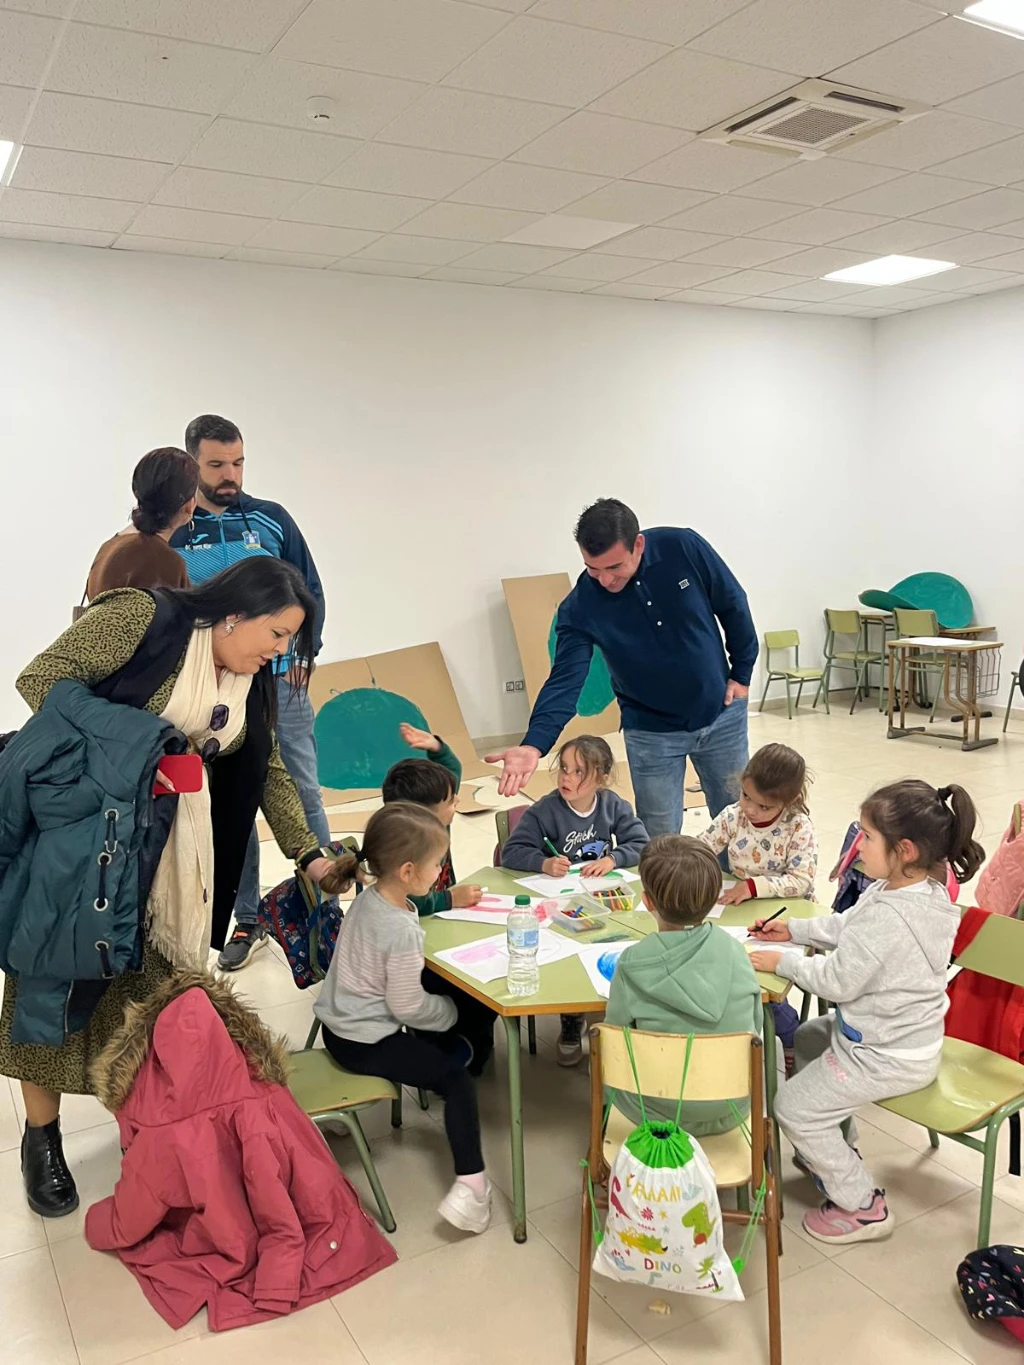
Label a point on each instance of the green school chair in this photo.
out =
(922, 665)
(975, 1089)
(856, 660)
(782, 641)
(1014, 679)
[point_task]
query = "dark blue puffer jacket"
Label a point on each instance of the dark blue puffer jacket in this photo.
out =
(76, 810)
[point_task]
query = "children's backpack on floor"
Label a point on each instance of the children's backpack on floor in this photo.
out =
(853, 883)
(664, 1227)
(305, 925)
(1001, 884)
(992, 1286)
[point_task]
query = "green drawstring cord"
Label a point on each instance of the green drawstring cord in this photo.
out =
(739, 1261)
(595, 1221)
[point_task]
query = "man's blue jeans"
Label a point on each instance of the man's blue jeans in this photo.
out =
(657, 767)
(298, 750)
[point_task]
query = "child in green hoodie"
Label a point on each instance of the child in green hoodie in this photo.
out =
(689, 977)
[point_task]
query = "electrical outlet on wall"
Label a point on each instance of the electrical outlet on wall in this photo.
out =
(515, 685)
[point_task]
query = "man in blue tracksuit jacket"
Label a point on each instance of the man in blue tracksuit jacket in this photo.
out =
(656, 605)
(228, 526)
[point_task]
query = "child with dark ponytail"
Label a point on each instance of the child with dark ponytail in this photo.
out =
(887, 975)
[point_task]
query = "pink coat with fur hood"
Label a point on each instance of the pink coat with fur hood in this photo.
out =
(228, 1195)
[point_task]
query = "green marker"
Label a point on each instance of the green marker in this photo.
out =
(554, 851)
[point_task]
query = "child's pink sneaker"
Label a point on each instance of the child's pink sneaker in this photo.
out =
(830, 1223)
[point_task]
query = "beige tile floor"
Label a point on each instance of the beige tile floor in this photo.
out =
(463, 1300)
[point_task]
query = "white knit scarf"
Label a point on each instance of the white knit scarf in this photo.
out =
(180, 908)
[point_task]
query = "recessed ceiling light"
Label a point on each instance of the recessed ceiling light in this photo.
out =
(566, 230)
(890, 270)
(1006, 16)
(7, 159)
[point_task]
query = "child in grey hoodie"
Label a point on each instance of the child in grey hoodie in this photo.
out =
(887, 974)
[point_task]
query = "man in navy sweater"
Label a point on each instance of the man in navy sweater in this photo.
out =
(656, 605)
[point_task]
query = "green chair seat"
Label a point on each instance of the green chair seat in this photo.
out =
(971, 1086)
(319, 1084)
(856, 656)
(808, 674)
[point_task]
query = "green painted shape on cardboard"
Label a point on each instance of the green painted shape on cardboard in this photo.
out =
(357, 736)
(597, 690)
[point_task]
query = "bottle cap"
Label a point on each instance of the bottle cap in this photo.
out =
(522, 900)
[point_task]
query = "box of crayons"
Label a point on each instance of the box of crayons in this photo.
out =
(621, 897)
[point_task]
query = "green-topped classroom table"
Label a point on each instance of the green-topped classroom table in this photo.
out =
(565, 988)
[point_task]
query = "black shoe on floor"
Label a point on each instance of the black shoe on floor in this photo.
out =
(49, 1185)
(238, 951)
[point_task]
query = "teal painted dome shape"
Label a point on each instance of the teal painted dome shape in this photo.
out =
(357, 736)
(597, 690)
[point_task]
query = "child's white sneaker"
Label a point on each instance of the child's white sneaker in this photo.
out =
(465, 1210)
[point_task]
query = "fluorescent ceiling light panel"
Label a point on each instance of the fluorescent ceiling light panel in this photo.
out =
(890, 270)
(562, 229)
(1006, 16)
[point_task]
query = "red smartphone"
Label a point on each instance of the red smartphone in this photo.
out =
(183, 771)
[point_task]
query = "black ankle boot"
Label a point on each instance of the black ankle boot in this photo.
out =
(49, 1185)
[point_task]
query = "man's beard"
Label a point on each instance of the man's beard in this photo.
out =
(219, 494)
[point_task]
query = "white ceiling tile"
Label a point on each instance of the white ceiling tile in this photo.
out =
(56, 9)
(966, 277)
(417, 250)
(1011, 261)
(65, 210)
(693, 90)
(223, 192)
(537, 189)
(885, 296)
(915, 192)
(416, 39)
(565, 230)
(1012, 229)
(812, 36)
(660, 244)
(839, 310)
(352, 208)
(510, 6)
(815, 291)
(968, 247)
(467, 222)
(937, 63)
(625, 290)
(106, 177)
(25, 44)
(158, 220)
(78, 124)
(312, 238)
(816, 183)
(707, 297)
(353, 265)
(1003, 102)
(817, 227)
(15, 103)
(248, 24)
(627, 201)
(261, 256)
(456, 274)
(479, 125)
(768, 305)
(533, 59)
(141, 69)
(820, 260)
(732, 215)
(709, 166)
(557, 284)
(35, 232)
(896, 238)
(601, 144)
(680, 275)
(1001, 164)
(276, 91)
(598, 266)
(387, 169)
(926, 140)
(753, 282)
(1010, 282)
(508, 256)
(259, 149)
(663, 21)
(170, 246)
(931, 301)
(742, 252)
(994, 208)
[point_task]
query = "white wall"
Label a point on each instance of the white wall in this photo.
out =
(949, 395)
(429, 438)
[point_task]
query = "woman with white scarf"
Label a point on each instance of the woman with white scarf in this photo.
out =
(209, 659)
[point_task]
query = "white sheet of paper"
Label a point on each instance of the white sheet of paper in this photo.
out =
(573, 884)
(715, 912)
(739, 932)
(487, 958)
(490, 909)
(599, 960)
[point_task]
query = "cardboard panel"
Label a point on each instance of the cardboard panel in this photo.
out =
(327, 680)
(532, 603)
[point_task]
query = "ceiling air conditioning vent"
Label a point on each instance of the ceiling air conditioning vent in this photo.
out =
(813, 119)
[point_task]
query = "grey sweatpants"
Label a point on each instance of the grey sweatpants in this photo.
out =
(833, 1078)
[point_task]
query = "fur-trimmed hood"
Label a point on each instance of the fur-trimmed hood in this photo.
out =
(184, 1047)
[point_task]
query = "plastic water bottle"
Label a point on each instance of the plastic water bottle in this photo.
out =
(523, 942)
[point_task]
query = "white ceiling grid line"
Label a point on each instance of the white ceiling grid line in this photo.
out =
(466, 134)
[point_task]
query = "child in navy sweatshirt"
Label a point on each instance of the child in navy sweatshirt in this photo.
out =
(581, 822)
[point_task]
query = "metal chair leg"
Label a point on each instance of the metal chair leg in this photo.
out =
(351, 1122)
(764, 694)
(799, 693)
(531, 1034)
(1009, 700)
(423, 1099)
(396, 1110)
(789, 701)
(987, 1180)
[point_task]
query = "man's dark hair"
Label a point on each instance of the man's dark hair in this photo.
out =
(210, 427)
(420, 781)
(604, 524)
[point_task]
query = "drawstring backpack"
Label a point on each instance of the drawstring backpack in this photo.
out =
(303, 922)
(664, 1226)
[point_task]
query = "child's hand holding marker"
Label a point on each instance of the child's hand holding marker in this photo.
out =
(463, 897)
(769, 931)
(557, 865)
